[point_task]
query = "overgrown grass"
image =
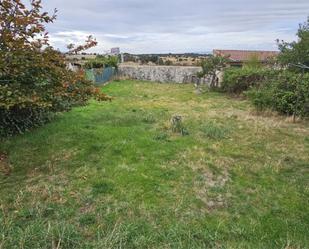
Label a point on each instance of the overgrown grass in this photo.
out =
(114, 175)
(214, 131)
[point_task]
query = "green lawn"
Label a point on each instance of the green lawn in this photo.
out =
(114, 175)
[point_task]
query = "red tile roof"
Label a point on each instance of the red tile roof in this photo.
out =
(245, 55)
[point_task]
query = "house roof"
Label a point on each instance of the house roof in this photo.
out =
(245, 55)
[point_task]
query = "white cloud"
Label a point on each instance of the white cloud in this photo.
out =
(176, 25)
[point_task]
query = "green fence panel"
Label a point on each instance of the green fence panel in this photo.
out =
(101, 75)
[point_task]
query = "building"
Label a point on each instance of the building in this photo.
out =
(239, 57)
(115, 51)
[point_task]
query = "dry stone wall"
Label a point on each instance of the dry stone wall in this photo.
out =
(163, 74)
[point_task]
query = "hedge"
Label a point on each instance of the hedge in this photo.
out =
(238, 80)
(287, 94)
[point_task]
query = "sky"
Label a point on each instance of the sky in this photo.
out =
(176, 26)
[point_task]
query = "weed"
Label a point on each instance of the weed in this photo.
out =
(87, 219)
(162, 136)
(102, 187)
(149, 118)
(214, 131)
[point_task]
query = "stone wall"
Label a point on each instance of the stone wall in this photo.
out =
(164, 74)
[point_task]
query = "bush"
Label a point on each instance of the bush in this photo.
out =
(101, 62)
(210, 66)
(283, 91)
(288, 94)
(238, 80)
(34, 79)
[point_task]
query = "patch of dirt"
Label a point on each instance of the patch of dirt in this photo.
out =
(52, 163)
(87, 208)
(211, 177)
(216, 181)
(50, 189)
(205, 183)
(5, 166)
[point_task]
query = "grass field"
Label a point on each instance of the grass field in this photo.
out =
(114, 175)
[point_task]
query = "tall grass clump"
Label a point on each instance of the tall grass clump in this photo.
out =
(214, 131)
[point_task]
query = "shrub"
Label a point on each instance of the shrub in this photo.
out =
(34, 79)
(101, 62)
(177, 125)
(210, 66)
(253, 62)
(238, 80)
(288, 94)
(261, 97)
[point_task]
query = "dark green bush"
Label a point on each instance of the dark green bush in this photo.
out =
(261, 97)
(20, 119)
(288, 94)
(238, 80)
(283, 91)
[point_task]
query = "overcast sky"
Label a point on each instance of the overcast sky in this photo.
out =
(157, 26)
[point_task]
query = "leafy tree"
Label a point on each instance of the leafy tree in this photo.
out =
(296, 52)
(34, 79)
(90, 42)
(211, 66)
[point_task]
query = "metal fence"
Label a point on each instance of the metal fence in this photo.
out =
(101, 75)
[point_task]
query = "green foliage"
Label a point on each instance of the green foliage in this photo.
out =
(214, 131)
(101, 62)
(238, 80)
(18, 120)
(287, 91)
(253, 62)
(211, 65)
(288, 94)
(297, 51)
(34, 79)
(261, 97)
(177, 125)
(283, 91)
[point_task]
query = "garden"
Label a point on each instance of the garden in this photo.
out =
(135, 164)
(116, 175)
